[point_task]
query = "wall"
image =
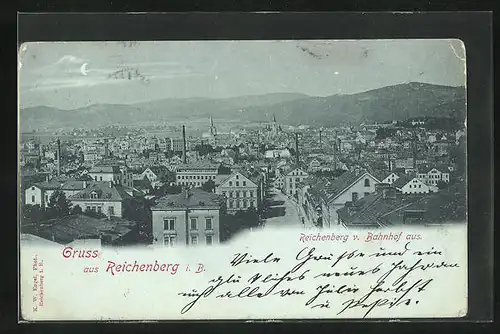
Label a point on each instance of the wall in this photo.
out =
(346, 196)
(33, 191)
(180, 225)
(83, 203)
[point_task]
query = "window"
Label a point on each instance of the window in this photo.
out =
(213, 177)
(194, 240)
(297, 179)
(237, 194)
(100, 178)
(252, 203)
(230, 183)
(244, 183)
(33, 199)
(194, 225)
(46, 197)
(237, 176)
(245, 203)
(95, 178)
(230, 194)
(99, 209)
(367, 182)
(366, 194)
(94, 208)
(169, 224)
(209, 239)
(93, 195)
(231, 204)
(88, 208)
(169, 240)
(251, 193)
(354, 197)
(420, 186)
(237, 204)
(243, 194)
(208, 223)
(224, 193)
(32, 188)
(237, 183)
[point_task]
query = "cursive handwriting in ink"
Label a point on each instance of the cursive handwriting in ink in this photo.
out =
(363, 302)
(248, 259)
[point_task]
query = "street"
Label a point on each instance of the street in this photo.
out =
(283, 212)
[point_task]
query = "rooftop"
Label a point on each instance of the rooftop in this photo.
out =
(197, 199)
(104, 192)
(71, 228)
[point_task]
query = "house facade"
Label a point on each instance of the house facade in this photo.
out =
(40, 193)
(112, 173)
(189, 218)
(196, 174)
(411, 185)
(240, 193)
(292, 180)
(431, 176)
(103, 197)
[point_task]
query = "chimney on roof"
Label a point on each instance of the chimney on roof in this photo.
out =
(297, 149)
(184, 144)
(84, 184)
(111, 184)
(58, 157)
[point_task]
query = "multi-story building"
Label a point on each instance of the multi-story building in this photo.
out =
(177, 144)
(104, 197)
(196, 174)
(292, 180)
(189, 218)
(40, 193)
(431, 175)
(411, 185)
(116, 173)
(240, 192)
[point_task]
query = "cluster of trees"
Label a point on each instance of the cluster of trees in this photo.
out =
(383, 133)
(230, 225)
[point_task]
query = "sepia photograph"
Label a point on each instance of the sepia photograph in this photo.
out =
(190, 143)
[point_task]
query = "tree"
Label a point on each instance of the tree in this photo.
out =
(59, 205)
(441, 185)
(208, 186)
(32, 214)
(76, 210)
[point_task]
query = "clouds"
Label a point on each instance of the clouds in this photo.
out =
(51, 75)
(66, 73)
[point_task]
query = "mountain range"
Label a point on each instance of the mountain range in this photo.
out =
(398, 102)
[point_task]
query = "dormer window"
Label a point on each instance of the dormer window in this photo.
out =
(93, 195)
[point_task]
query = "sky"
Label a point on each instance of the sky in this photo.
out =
(70, 75)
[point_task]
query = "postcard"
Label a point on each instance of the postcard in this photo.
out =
(243, 180)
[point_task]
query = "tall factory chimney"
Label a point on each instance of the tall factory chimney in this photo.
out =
(335, 155)
(106, 148)
(320, 137)
(184, 144)
(58, 157)
(297, 149)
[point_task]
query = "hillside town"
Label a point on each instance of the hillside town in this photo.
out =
(125, 186)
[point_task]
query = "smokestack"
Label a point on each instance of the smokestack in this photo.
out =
(106, 149)
(320, 137)
(58, 157)
(184, 144)
(297, 149)
(334, 157)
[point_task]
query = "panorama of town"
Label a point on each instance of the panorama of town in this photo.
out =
(171, 184)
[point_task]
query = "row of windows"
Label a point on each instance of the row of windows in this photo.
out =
(240, 204)
(297, 179)
(190, 184)
(98, 209)
(195, 177)
(170, 240)
(244, 183)
(237, 194)
(169, 224)
(415, 186)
